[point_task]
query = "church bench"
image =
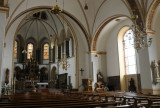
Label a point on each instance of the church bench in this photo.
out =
(154, 102)
(71, 105)
(60, 100)
(124, 106)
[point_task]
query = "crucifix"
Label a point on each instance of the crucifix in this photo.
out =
(81, 72)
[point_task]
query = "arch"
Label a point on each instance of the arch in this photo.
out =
(61, 38)
(17, 72)
(53, 40)
(32, 40)
(43, 74)
(69, 35)
(41, 48)
(20, 38)
(150, 15)
(72, 32)
(48, 8)
(100, 28)
(42, 41)
(121, 55)
(21, 47)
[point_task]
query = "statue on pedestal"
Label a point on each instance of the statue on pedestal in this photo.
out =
(100, 81)
(100, 77)
(7, 76)
(132, 87)
(155, 70)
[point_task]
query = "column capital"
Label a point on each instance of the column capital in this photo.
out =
(4, 10)
(98, 52)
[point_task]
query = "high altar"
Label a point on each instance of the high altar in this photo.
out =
(29, 78)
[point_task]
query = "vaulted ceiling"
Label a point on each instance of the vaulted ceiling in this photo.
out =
(99, 15)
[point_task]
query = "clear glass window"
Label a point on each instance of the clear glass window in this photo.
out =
(129, 52)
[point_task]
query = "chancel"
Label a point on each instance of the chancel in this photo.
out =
(79, 53)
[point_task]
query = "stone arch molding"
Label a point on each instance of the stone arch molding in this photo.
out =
(150, 16)
(101, 27)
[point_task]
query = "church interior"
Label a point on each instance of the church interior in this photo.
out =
(85, 50)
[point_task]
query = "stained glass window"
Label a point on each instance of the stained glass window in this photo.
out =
(129, 52)
(46, 52)
(15, 49)
(29, 50)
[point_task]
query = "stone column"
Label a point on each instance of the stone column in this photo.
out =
(3, 15)
(51, 54)
(95, 69)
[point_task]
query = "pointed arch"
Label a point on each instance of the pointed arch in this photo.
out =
(100, 28)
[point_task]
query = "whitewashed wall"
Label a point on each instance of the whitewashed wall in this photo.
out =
(83, 54)
(155, 47)
(71, 71)
(2, 32)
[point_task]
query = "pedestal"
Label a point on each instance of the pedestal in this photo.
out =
(87, 83)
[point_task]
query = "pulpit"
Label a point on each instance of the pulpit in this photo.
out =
(62, 81)
(87, 83)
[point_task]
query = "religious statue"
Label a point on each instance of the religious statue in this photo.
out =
(7, 76)
(132, 86)
(100, 81)
(100, 77)
(159, 67)
(155, 71)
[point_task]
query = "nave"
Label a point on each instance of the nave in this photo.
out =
(79, 53)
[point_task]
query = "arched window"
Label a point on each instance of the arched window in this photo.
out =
(15, 50)
(129, 53)
(54, 54)
(29, 50)
(67, 48)
(46, 52)
(72, 46)
(59, 52)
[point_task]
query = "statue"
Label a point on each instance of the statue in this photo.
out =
(7, 76)
(159, 67)
(100, 77)
(100, 80)
(155, 71)
(132, 86)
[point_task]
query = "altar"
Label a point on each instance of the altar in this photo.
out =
(30, 77)
(42, 85)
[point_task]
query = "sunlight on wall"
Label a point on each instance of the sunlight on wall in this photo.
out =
(121, 56)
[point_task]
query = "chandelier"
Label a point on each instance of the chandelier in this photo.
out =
(56, 9)
(63, 61)
(140, 35)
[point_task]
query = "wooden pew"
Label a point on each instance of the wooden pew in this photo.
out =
(40, 100)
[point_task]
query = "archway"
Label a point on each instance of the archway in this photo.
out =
(73, 34)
